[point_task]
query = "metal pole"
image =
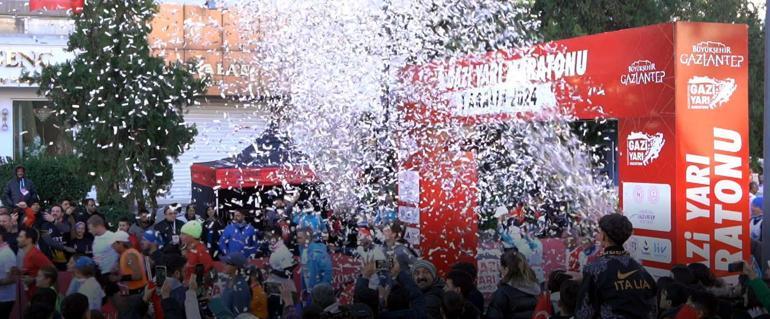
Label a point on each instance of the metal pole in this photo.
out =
(766, 147)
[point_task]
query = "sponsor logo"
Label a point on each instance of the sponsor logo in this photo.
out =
(644, 148)
(650, 248)
(706, 93)
(623, 283)
(648, 205)
(624, 275)
(642, 72)
(710, 53)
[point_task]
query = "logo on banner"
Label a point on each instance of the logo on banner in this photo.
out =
(642, 72)
(650, 248)
(644, 148)
(706, 93)
(648, 205)
(710, 53)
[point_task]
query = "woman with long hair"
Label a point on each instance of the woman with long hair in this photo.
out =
(516, 296)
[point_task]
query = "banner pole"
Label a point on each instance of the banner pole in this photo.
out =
(766, 148)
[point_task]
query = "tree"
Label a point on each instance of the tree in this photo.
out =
(565, 19)
(125, 104)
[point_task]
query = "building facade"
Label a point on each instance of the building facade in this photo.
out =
(208, 37)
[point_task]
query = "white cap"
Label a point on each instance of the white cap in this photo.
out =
(120, 236)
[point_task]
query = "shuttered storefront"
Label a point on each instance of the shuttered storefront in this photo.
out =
(223, 130)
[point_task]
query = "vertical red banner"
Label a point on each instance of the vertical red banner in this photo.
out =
(712, 144)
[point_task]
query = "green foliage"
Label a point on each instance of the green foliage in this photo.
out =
(56, 177)
(127, 105)
(561, 19)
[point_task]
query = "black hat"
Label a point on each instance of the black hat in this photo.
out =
(617, 227)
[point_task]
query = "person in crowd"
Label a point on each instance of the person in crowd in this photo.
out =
(282, 266)
(755, 223)
(516, 295)
(65, 205)
(52, 240)
(131, 275)
(170, 227)
(46, 282)
(404, 299)
(142, 223)
(708, 280)
(19, 189)
(315, 260)
(568, 297)
(460, 282)
(150, 244)
(238, 236)
(81, 241)
(8, 224)
(75, 306)
(682, 274)
(308, 217)
(395, 245)
(37, 310)
(258, 305)
(124, 224)
(84, 282)
(426, 277)
(673, 295)
(89, 210)
(9, 274)
(193, 248)
(323, 302)
(627, 290)
(236, 292)
(176, 291)
(190, 214)
(30, 258)
(455, 306)
(212, 230)
(475, 296)
(367, 251)
(104, 255)
(753, 190)
(547, 302)
(700, 305)
(59, 220)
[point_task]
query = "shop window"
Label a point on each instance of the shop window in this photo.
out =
(38, 131)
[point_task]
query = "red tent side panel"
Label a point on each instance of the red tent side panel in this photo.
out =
(203, 175)
(266, 176)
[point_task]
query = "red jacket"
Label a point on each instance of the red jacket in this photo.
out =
(197, 254)
(33, 261)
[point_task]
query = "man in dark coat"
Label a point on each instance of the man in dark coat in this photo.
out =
(19, 189)
(426, 277)
(616, 285)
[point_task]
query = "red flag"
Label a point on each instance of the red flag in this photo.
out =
(543, 309)
(75, 5)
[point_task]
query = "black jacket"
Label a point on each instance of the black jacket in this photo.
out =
(12, 193)
(513, 303)
(616, 286)
(167, 230)
(434, 297)
(476, 298)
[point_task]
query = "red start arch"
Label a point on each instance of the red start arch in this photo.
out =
(679, 92)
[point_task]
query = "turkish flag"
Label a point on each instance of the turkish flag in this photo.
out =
(75, 5)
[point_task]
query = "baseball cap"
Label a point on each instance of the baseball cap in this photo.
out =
(84, 262)
(150, 236)
(120, 236)
(235, 258)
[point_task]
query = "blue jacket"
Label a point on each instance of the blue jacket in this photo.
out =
(238, 297)
(238, 237)
(309, 220)
(316, 265)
